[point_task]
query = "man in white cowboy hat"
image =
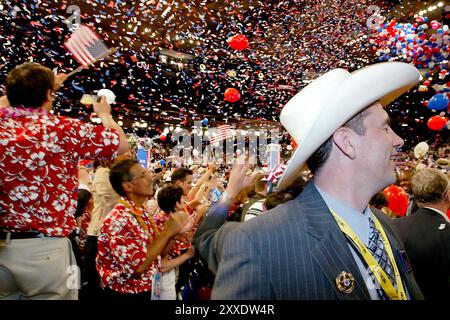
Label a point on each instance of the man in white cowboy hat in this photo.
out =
(327, 243)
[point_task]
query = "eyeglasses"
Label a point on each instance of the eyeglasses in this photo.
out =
(144, 174)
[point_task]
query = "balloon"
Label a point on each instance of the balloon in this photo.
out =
(162, 137)
(162, 162)
(421, 149)
(294, 144)
(232, 95)
(397, 198)
(110, 96)
(437, 123)
(423, 88)
(438, 102)
(205, 121)
(238, 42)
(435, 25)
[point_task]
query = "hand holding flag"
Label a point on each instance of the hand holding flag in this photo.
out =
(86, 47)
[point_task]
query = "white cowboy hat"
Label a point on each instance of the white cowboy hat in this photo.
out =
(317, 111)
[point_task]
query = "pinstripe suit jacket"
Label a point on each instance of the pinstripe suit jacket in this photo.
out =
(294, 251)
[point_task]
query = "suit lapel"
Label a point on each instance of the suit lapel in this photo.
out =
(332, 252)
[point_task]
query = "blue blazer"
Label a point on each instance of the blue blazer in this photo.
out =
(295, 251)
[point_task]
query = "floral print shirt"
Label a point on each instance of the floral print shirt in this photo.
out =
(182, 244)
(122, 248)
(39, 153)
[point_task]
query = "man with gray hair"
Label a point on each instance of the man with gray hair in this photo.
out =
(426, 233)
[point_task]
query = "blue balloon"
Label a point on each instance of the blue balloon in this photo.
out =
(162, 162)
(205, 122)
(438, 102)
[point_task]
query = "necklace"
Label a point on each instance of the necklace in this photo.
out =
(137, 213)
(16, 112)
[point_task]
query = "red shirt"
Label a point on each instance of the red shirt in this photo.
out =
(39, 153)
(182, 244)
(122, 248)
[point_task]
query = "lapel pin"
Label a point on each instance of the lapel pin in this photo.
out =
(345, 282)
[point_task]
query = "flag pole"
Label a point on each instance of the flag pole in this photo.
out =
(104, 55)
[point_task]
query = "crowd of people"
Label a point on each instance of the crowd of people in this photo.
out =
(81, 218)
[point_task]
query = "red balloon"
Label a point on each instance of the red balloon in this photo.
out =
(232, 95)
(162, 137)
(398, 199)
(238, 42)
(437, 123)
(294, 144)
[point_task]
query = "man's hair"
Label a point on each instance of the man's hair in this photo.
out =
(379, 200)
(260, 184)
(180, 174)
(321, 155)
(120, 173)
(274, 199)
(429, 185)
(168, 196)
(27, 85)
(296, 187)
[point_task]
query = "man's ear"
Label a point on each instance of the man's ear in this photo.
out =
(49, 95)
(344, 139)
(447, 196)
(126, 185)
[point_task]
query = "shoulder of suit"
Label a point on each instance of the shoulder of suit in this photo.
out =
(277, 218)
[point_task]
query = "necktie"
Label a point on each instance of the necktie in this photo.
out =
(376, 247)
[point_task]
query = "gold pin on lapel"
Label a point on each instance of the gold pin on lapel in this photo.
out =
(345, 282)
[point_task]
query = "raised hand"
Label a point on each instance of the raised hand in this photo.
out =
(102, 108)
(239, 177)
(59, 80)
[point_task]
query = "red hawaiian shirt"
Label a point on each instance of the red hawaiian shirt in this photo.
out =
(182, 244)
(39, 154)
(122, 248)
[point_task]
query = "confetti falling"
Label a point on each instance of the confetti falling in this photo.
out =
(173, 63)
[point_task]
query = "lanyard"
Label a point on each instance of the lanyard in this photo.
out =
(138, 212)
(376, 269)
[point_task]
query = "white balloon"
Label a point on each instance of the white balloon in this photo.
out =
(110, 96)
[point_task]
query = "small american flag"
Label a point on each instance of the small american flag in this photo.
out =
(276, 173)
(223, 132)
(86, 46)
